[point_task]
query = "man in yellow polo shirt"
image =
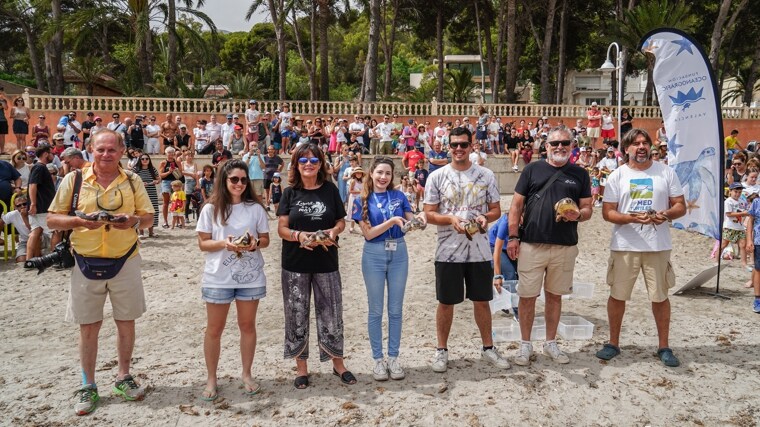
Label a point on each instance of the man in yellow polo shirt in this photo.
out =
(732, 145)
(104, 187)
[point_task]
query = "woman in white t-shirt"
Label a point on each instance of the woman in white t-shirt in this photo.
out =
(232, 272)
(152, 132)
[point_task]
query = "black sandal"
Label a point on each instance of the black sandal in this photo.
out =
(346, 377)
(301, 382)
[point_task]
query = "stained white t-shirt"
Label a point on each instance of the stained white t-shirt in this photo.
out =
(639, 191)
(465, 194)
(731, 206)
(223, 268)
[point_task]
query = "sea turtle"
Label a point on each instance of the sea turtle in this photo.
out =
(649, 213)
(413, 224)
(472, 227)
(695, 174)
(243, 241)
(564, 206)
(321, 238)
(102, 216)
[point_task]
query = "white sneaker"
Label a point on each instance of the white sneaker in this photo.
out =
(515, 168)
(523, 356)
(394, 366)
(492, 355)
(552, 350)
(380, 372)
(441, 361)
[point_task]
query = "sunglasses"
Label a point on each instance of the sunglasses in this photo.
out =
(20, 205)
(21, 158)
(312, 160)
(459, 144)
(144, 158)
(738, 164)
(564, 142)
(31, 153)
(238, 180)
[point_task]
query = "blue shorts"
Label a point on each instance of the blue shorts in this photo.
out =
(289, 134)
(226, 295)
(757, 257)
(166, 186)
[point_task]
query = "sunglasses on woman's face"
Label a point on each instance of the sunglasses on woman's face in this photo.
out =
(21, 158)
(238, 180)
(312, 160)
(144, 158)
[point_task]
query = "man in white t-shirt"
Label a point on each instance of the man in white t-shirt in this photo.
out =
(640, 197)
(384, 129)
(227, 129)
(214, 129)
(357, 129)
(71, 134)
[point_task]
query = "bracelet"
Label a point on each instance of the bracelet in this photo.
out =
(498, 276)
(292, 234)
(298, 236)
(513, 238)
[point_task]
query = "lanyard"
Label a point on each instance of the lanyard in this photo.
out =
(380, 206)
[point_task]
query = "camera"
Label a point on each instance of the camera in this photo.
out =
(61, 256)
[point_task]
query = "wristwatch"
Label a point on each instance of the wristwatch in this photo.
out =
(498, 276)
(137, 225)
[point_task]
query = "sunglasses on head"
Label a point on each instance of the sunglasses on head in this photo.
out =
(564, 142)
(312, 160)
(238, 179)
(459, 144)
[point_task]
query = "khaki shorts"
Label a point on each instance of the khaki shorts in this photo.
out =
(624, 267)
(593, 132)
(258, 185)
(87, 297)
(39, 221)
(548, 265)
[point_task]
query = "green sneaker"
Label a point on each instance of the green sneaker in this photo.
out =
(128, 389)
(88, 399)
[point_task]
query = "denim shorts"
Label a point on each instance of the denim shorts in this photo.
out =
(166, 186)
(226, 295)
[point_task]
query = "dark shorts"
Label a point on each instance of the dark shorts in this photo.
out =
(757, 257)
(20, 127)
(452, 278)
(3, 127)
(267, 183)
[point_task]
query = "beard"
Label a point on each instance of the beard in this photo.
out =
(558, 158)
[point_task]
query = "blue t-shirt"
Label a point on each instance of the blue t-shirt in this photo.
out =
(433, 155)
(380, 208)
(254, 168)
(754, 210)
(421, 176)
(500, 229)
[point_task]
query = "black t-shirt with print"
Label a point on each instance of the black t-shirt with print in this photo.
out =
(45, 186)
(539, 224)
(310, 210)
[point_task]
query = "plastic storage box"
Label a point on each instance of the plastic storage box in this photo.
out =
(575, 328)
(510, 330)
(582, 290)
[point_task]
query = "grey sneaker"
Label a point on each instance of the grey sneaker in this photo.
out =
(88, 399)
(441, 361)
(394, 366)
(523, 355)
(492, 356)
(380, 372)
(128, 389)
(552, 350)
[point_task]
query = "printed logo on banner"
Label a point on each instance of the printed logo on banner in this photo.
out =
(683, 46)
(686, 100)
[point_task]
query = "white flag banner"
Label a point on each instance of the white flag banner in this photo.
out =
(690, 109)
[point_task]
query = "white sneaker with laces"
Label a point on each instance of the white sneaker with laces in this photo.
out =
(394, 366)
(523, 355)
(552, 350)
(441, 361)
(380, 372)
(492, 355)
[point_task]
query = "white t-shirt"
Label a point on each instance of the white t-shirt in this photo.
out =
(733, 223)
(465, 194)
(610, 162)
(384, 130)
(285, 119)
(607, 122)
(251, 116)
(227, 131)
(639, 191)
(223, 268)
(70, 132)
(14, 217)
(151, 130)
(750, 190)
(357, 127)
(475, 156)
(214, 131)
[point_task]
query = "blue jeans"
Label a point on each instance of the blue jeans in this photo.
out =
(508, 268)
(380, 267)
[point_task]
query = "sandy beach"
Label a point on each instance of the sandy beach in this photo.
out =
(717, 340)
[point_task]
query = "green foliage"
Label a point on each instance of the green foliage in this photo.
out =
(244, 86)
(459, 85)
(343, 92)
(16, 79)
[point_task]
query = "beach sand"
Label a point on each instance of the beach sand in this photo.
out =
(717, 341)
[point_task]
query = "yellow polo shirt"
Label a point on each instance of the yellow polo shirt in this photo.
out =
(118, 198)
(731, 142)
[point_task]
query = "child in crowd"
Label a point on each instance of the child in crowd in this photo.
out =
(408, 188)
(177, 204)
(355, 184)
(750, 185)
(733, 228)
(596, 176)
(420, 175)
(275, 191)
(753, 245)
(207, 182)
(304, 138)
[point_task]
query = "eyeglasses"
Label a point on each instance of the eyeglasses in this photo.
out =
(21, 158)
(312, 160)
(114, 117)
(20, 205)
(564, 142)
(238, 180)
(144, 158)
(738, 164)
(121, 200)
(459, 144)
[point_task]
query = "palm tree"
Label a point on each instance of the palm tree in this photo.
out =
(89, 69)
(459, 84)
(278, 10)
(170, 14)
(245, 86)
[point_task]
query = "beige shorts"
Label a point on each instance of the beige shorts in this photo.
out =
(258, 185)
(593, 132)
(87, 297)
(624, 267)
(39, 221)
(548, 265)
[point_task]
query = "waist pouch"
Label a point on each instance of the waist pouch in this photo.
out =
(95, 268)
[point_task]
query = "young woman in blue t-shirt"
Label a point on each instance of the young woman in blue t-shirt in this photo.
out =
(380, 212)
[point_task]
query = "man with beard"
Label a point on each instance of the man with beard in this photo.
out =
(639, 242)
(547, 245)
(456, 194)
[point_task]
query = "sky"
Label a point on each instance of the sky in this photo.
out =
(229, 15)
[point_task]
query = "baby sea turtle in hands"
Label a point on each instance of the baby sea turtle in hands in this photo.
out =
(413, 224)
(242, 242)
(321, 238)
(649, 213)
(471, 228)
(102, 216)
(564, 206)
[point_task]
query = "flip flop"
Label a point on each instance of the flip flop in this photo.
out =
(250, 390)
(346, 377)
(212, 397)
(165, 226)
(301, 382)
(608, 352)
(668, 358)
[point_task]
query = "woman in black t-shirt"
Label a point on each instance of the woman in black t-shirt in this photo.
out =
(312, 204)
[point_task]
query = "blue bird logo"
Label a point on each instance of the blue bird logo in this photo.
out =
(686, 99)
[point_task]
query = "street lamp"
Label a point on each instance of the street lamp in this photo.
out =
(609, 67)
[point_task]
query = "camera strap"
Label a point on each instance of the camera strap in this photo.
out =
(75, 194)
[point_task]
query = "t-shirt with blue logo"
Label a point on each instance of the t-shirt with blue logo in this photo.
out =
(380, 208)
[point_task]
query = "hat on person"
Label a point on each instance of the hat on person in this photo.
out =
(276, 175)
(544, 135)
(229, 116)
(357, 170)
(90, 113)
(736, 186)
(183, 126)
(58, 136)
(594, 104)
(235, 116)
(277, 111)
(252, 101)
(583, 129)
(98, 118)
(610, 149)
(410, 121)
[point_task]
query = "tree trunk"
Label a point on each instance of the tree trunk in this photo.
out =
(389, 52)
(492, 71)
(480, 53)
(306, 64)
(171, 67)
(314, 90)
(34, 56)
(324, 66)
(546, 53)
(510, 80)
(54, 50)
(561, 53)
(439, 52)
(754, 72)
(370, 65)
(720, 30)
(501, 34)
(277, 11)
